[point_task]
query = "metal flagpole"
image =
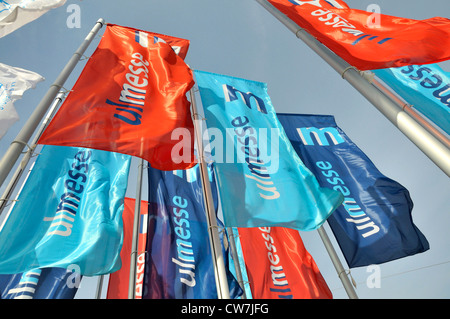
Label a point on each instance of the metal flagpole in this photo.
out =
(15, 149)
(98, 293)
(135, 243)
(237, 265)
(26, 158)
(420, 136)
(408, 109)
(223, 291)
(316, 46)
(337, 264)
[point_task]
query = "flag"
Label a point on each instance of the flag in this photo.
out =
(279, 266)
(425, 87)
(179, 263)
(69, 212)
(129, 99)
(13, 84)
(261, 173)
(45, 283)
(374, 225)
(118, 284)
(367, 40)
(16, 13)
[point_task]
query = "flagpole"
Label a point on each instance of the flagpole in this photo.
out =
(337, 264)
(135, 243)
(407, 108)
(236, 262)
(420, 136)
(98, 293)
(15, 149)
(223, 291)
(26, 158)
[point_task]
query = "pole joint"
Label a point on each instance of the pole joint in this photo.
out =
(346, 69)
(298, 31)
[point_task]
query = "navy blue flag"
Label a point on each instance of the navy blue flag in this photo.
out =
(178, 261)
(374, 224)
(44, 283)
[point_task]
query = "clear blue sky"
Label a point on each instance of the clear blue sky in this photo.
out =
(241, 39)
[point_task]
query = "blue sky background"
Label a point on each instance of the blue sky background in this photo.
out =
(241, 39)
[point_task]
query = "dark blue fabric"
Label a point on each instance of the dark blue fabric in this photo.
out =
(179, 259)
(374, 224)
(45, 283)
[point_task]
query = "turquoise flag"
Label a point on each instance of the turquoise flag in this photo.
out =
(69, 213)
(261, 179)
(425, 87)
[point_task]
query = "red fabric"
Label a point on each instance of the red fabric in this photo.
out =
(119, 280)
(128, 99)
(278, 265)
(396, 42)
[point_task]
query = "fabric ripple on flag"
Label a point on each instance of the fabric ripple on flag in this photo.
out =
(68, 213)
(365, 43)
(179, 263)
(262, 181)
(129, 99)
(279, 266)
(16, 13)
(118, 283)
(374, 225)
(13, 84)
(425, 87)
(46, 283)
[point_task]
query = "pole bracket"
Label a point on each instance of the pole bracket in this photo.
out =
(22, 143)
(198, 116)
(8, 201)
(138, 252)
(348, 273)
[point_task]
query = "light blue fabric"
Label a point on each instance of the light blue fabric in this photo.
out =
(425, 87)
(264, 183)
(69, 212)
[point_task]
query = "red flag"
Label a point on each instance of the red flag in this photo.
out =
(119, 280)
(129, 98)
(358, 38)
(278, 265)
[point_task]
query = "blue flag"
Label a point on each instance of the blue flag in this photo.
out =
(374, 224)
(261, 180)
(69, 212)
(45, 283)
(425, 87)
(178, 262)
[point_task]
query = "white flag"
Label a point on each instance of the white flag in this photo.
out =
(13, 83)
(16, 13)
